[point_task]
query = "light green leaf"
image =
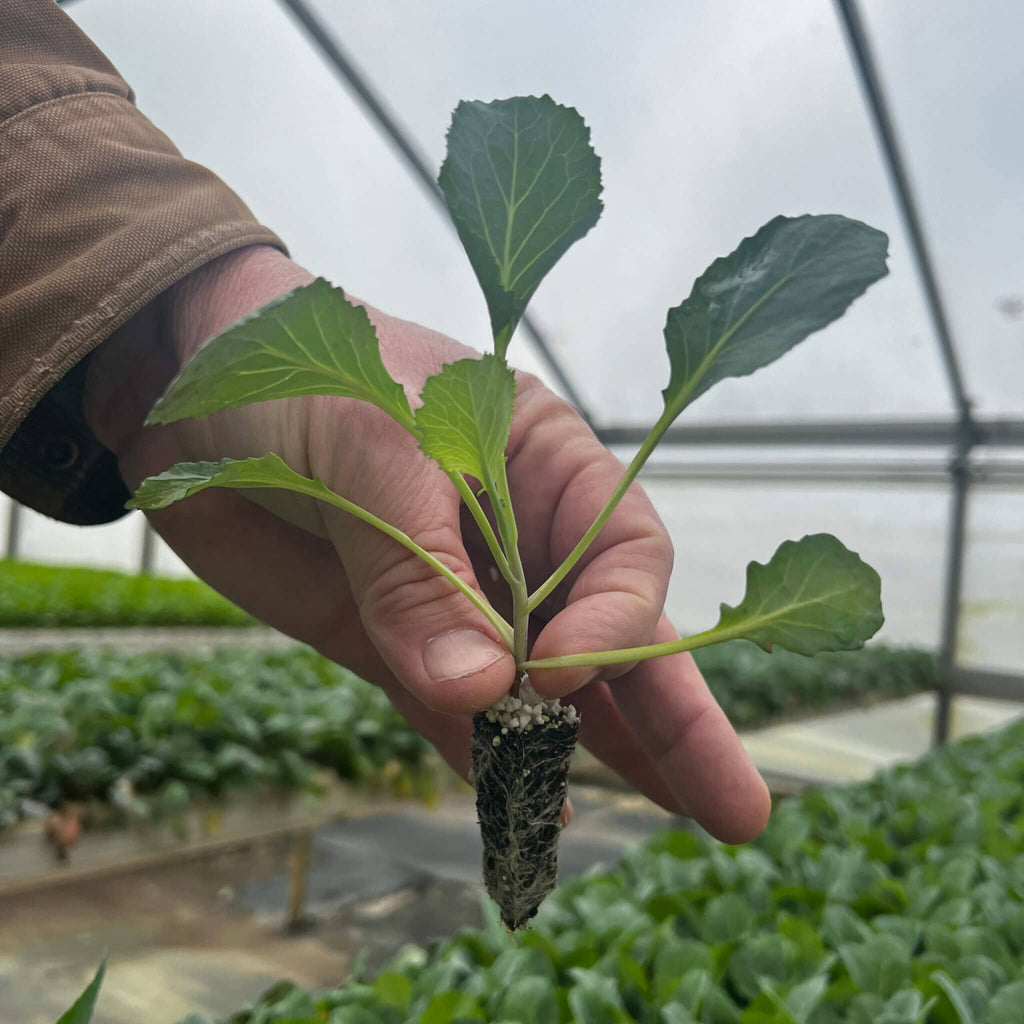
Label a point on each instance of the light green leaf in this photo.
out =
(528, 1000)
(82, 1009)
(270, 471)
(880, 965)
(312, 341)
(813, 595)
(801, 1000)
(727, 918)
(466, 415)
(522, 183)
(187, 478)
(956, 997)
(789, 280)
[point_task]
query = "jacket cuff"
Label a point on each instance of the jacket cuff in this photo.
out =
(101, 214)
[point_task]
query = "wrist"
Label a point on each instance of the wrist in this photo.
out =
(131, 369)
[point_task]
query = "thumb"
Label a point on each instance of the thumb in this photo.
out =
(438, 645)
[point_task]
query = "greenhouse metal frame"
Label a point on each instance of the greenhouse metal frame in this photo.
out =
(960, 437)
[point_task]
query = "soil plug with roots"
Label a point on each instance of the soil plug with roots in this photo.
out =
(520, 761)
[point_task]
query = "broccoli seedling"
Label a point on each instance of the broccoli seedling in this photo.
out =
(522, 184)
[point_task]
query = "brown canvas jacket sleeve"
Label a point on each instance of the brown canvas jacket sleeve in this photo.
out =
(99, 214)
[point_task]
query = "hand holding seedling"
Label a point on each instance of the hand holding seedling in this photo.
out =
(324, 580)
(522, 184)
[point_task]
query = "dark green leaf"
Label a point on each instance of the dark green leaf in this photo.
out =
(466, 415)
(312, 341)
(522, 183)
(82, 1009)
(813, 595)
(789, 280)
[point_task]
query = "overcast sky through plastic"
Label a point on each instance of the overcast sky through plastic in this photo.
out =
(709, 117)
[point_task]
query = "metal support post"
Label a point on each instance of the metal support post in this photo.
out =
(147, 553)
(960, 478)
(13, 531)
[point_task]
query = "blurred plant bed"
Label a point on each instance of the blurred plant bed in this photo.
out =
(895, 901)
(37, 596)
(757, 689)
(148, 733)
(138, 739)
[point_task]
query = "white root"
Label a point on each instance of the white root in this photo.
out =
(522, 713)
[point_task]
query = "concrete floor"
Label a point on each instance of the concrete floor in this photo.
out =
(205, 936)
(853, 745)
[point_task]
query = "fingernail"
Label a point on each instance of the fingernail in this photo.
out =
(459, 653)
(566, 816)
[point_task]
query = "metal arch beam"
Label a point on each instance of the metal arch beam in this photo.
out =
(864, 62)
(374, 105)
(332, 51)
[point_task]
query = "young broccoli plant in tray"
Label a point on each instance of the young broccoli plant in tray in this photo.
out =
(522, 183)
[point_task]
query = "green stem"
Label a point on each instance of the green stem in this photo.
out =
(641, 457)
(324, 493)
(628, 654)
(473, 504)
(501, 501)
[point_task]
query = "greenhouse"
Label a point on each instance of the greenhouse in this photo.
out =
(207, 816)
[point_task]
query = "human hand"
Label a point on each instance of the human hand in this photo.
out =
(366, 603)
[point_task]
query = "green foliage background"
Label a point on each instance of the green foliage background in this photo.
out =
(79, 725)
(33, 596)
(73, 724)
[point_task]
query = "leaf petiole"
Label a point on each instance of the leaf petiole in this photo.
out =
(480, 517)
(501, 499)
(187, 478)
(627, 654)
(641, 457)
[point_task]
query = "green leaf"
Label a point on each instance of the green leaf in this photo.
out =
(801, 1000)
(813, 595)
(956, 997)
(270, 471)
(446, 1007)
(466, 415)
(528, 1000)
(1005, 1005)
(595, 998)
(522, 183)
(312, 341)
(880, 965)
(790, 279)
(727, 918)
(187, 478)
(82, 1009)
(393, 989)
